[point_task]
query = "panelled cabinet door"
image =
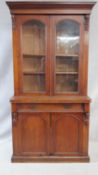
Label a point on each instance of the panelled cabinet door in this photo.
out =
(67, 34)
(67, 133)
(33, 134)
(33, 33)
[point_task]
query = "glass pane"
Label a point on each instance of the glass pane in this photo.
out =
(34, 83)
(67, 56)
(67, 33)
(33, 39)
(34, 64)
(66, 64)
(66, 83)
(33, 51)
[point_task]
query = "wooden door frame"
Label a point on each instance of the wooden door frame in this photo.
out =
(54, 20)
(19, 20)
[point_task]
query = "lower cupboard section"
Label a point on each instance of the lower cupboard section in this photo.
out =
(47, 136)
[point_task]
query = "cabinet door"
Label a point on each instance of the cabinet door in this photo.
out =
(66, 55)
(34, 67)
(67, 132)
(33, 134)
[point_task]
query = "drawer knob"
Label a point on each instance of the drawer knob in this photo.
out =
(33, 106)
(67, 106)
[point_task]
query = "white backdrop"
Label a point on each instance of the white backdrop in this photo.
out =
(6, 72)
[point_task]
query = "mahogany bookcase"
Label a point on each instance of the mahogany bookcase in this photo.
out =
(50, 107)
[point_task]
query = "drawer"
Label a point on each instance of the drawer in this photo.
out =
(49, 107)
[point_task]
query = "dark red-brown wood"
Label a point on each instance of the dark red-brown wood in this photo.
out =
(50, 126)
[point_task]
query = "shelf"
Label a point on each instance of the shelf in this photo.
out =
(30, 55)
(69, 55)
(67, 73)
(27, 72)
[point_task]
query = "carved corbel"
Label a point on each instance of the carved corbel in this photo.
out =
(13, 21)
(14, 118)
(86, 22)
(86, 117)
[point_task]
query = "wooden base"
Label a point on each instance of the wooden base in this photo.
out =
(51, 159)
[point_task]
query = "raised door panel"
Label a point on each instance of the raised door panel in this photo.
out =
(67, 134)
(33, 134)
(66, 55)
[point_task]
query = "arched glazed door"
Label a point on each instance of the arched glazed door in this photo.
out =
(66, 56)
(33, 32)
